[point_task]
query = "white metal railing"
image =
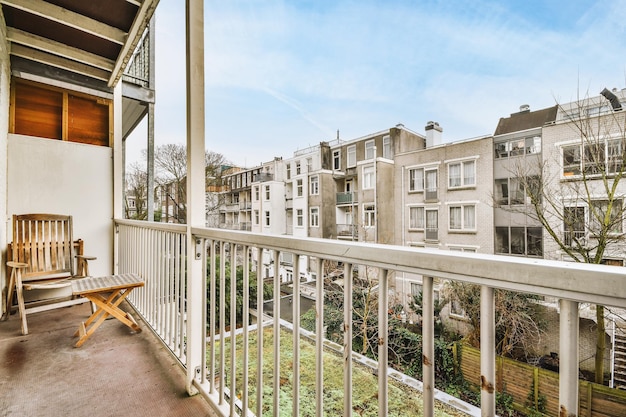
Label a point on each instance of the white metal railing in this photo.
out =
(142, 246)
(158, 254)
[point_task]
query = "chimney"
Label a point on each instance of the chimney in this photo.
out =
(524, 108)
(433, 134)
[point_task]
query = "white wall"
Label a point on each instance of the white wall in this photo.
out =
(52, 176)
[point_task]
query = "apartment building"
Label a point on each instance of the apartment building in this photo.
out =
(363, 172)
(517, 150)
(443, 200)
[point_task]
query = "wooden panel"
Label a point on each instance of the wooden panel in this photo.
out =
(38, 111)
(88, 120)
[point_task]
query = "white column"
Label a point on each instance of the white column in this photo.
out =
(487, 353)
(568, 361)
(118, 167)
(428, 346)
(195, 185)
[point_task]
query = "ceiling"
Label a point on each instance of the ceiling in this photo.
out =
(86, 42)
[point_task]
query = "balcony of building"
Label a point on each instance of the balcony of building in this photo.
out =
(192, 351)
(347, 198)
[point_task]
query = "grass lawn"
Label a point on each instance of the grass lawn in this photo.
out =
(403, 401)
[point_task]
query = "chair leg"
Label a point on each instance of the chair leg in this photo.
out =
(20, 301)
(9, 298)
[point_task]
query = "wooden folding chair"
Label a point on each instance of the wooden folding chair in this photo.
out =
(41, 257)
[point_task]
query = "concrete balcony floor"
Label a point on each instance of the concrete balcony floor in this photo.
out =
(115, 373)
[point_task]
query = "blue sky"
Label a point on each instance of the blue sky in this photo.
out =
(285, 75)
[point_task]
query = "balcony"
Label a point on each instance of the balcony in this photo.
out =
(156, 251)
(346, 198)
(347, 231)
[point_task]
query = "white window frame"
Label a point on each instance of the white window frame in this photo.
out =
(351, 156)
(257, 193)
(369, 215)
(267, 193)
(370, 149)
(369, 177)
(417, 217)
(288, 171)
(299, 217)
(267, 219)
(298, 168)
(314, 185)
(257, 217)
(464, 220)
(337, 160)
(387, 150)
(464, 180)
(299, 187)
(416, 180)
(314, 216)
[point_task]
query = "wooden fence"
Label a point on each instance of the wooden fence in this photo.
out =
(530, 386)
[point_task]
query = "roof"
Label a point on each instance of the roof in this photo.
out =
(526, 120)
(85, 42)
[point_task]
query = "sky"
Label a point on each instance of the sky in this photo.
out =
(285, 75)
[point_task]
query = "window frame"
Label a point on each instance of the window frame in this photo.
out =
(314, 185)
(462, 227)
(314, 216)
(351, 156)
(369, 177)
(369, 215)
(462, 177)
(370, 150)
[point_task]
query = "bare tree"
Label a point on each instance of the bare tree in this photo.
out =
(171, 164)
(136, 192)
(578, 195)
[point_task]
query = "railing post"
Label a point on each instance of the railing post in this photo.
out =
(568, 361)
(428, 346)
(487, 352)
(347, 339)
(383, 343)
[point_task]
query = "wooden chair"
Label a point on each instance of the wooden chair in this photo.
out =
(41, 257)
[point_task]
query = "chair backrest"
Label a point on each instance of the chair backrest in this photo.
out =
(45, 243)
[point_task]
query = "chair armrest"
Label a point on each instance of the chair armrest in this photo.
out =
(82, 266)
(12, 264)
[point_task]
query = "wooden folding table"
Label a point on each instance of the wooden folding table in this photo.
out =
(107, 293)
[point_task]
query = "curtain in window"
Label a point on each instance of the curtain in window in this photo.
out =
(469, 217)
(455, 218)
(455, 175)
(468, 173)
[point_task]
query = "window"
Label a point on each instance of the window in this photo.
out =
(267, 218)
(299, 217)
(299, 187)
(462, 174)
(368, 177)
(416, 217)
(256, 217)
(430, 184)
(298, 168)
(432, 224)
(600, 223)
(314, 216)
(309, 165)
(593, 158)
(517, 147)
(337, 160)
(416, 179)
(314, 185)
(525, 241)
(462, 217)
(257, 196)
(370, 149)
(510, 191)
(369, 215)
(267, 192)
(387, 151)
(288, 171)
(351, 156)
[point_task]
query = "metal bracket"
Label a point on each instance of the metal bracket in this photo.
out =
(198, 371)
(198, 249)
